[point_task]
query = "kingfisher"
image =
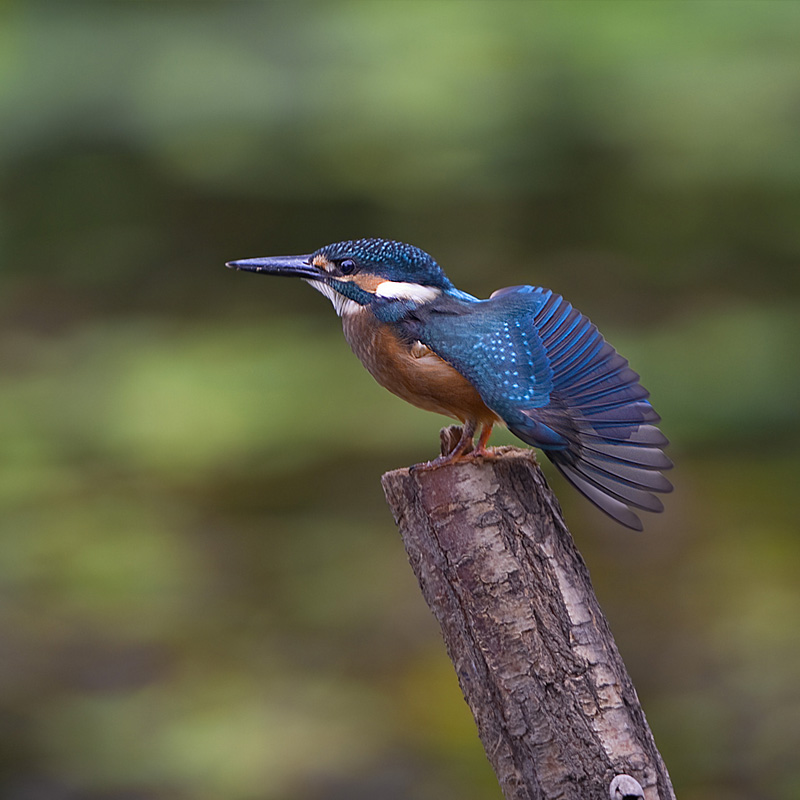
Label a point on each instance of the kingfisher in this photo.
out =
(524, 358)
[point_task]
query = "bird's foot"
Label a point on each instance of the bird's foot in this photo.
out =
(480, 454)
(457, 445)
(435, 463)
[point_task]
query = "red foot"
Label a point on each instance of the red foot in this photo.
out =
(480, 453)
(459, 452)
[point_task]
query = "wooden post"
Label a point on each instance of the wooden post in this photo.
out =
(555, 708)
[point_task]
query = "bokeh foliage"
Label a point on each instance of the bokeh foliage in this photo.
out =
(203, 595)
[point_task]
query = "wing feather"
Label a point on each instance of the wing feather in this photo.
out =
(599, 407)
(545, 369)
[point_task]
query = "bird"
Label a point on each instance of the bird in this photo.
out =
(524, 358)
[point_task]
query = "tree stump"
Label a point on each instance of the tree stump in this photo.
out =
(555, 708)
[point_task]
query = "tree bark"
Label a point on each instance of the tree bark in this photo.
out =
(555, 708)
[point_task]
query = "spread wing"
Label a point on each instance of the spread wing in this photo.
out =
(545, 369)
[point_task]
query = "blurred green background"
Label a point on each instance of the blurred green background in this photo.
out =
(203, 595)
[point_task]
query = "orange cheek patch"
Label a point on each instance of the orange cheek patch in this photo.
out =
(322, 263)
(368, 282)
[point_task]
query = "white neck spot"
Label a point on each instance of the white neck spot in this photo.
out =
(398, 290)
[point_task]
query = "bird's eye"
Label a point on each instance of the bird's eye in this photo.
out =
(346, 266)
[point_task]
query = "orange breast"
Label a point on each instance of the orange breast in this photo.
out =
(414, 372)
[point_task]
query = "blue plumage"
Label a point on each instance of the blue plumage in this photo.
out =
(493, 343)
(558, 385)
(529, 359)
(394, 260)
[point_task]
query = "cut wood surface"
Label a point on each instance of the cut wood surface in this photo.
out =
(555, 708)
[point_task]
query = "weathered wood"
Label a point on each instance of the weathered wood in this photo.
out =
(555, 708)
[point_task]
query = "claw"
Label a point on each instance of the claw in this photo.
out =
(463, 451)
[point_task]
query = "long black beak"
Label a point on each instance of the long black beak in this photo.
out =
(292, 266)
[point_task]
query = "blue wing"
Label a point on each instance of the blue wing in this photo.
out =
(545, 369)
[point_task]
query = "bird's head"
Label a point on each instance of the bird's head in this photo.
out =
(363, 272)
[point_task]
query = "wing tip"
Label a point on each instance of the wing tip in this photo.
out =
(613, 503)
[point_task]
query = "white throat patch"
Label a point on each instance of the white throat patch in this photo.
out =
(344, 305)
